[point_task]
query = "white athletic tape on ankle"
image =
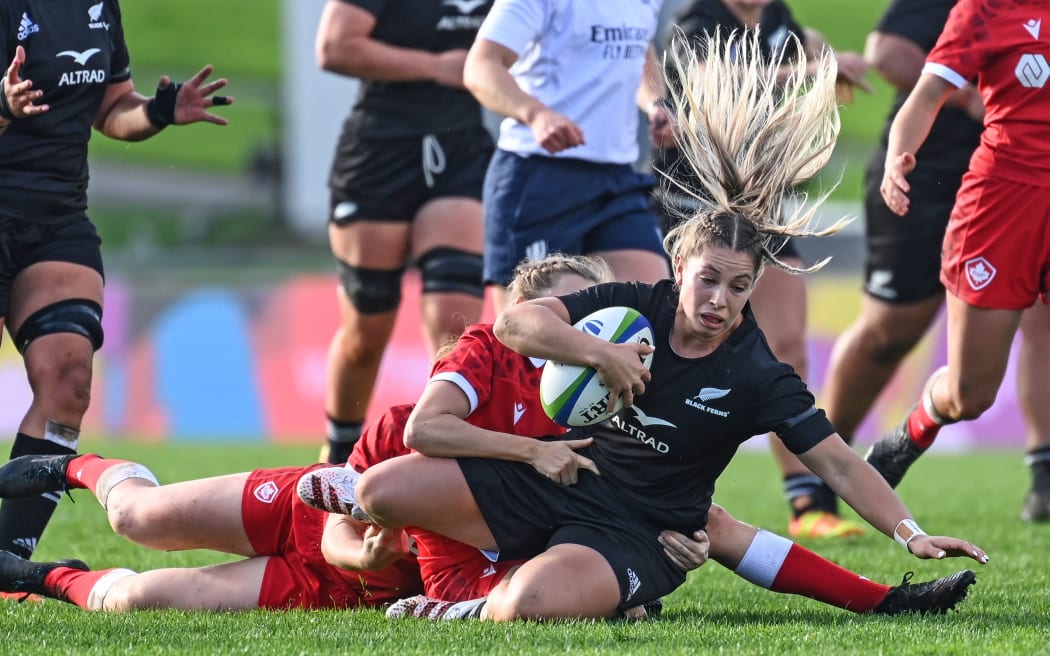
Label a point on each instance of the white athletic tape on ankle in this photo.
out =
(118, 474)
(906, 531)
(97, 597)
(61, 434)
(927, 397)
(764, 558)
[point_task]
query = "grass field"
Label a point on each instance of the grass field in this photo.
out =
(975, 496)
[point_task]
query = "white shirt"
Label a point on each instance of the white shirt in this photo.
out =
(582, 58)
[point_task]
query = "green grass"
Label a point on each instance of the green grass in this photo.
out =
(975, 496)
(242, 41)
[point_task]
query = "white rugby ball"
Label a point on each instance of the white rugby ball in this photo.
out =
(576, 396)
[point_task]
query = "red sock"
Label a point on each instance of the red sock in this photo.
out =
(805, 573)
(84, 471)
(73, 585)
(922, 429)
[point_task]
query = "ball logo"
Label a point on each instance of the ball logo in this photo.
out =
(594, 327)
(979, 272)
(1032, 71)
(266, 492)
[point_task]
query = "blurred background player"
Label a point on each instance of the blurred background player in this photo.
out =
(51, 273)
(903, 293)
(570, 76)
(996, 251)
(405, 186)
(779, 301)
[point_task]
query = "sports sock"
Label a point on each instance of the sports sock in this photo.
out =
(22, 521)
(806, 492)
(84, 589)
(778, 564)
(924, 421)
(101, 475)
(1039, 461)
(341, 437)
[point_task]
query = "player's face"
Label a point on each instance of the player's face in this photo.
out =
(715, 284)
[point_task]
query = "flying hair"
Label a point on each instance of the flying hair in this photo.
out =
(750, 131)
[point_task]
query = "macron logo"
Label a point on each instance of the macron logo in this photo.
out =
(711, 393)
(1032, 27)
(519, 410)
(80, 57)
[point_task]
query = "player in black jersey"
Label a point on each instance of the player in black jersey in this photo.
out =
(712, 385)
(780, 301)
(67, 71)
(405, 186)
(902, 287)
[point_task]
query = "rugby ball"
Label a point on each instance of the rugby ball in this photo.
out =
(576, 396)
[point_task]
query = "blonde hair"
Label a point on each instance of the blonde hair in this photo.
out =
(750, 133)
(535, 278)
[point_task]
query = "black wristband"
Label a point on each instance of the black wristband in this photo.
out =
(161, 108)
(5, 107)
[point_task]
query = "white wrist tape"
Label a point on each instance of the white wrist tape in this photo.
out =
(906, 531)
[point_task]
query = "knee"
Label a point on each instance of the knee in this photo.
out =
(790, 348)
(373, 492)
(64, 382)
(131, 521)
(882, 344)
(970, 399)
(516, 605)
(370, 291)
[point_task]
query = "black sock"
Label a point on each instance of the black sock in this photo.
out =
(22, 521)
(819, 496)
(1039, 461)
(342, 436)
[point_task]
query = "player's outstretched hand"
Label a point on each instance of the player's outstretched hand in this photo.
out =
(895, 185)
(195, 98)
(941, 546)
(19, 94)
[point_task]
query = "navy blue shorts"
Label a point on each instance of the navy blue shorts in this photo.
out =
(539, 205)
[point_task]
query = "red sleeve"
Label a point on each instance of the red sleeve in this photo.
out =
(382, 439)
(470, 364)
(963, 47)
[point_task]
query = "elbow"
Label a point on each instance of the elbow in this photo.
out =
(415, 436)
(472, 77)
(324, 53)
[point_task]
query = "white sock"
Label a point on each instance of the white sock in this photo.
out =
(764, 558)
(97, 596)
(471, 609)
(118, 474)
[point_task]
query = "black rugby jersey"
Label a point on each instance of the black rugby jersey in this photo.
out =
(399, 109)
(665, 452)
(74, 50)
(954, 134)
(702, 17)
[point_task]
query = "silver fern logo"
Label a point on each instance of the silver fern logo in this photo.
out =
(711, 393)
